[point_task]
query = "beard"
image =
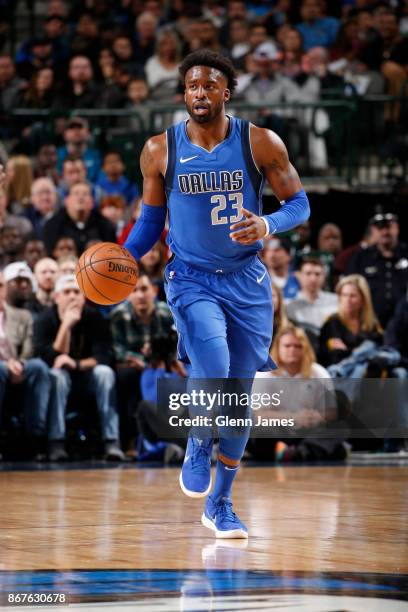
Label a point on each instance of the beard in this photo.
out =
(212, 114)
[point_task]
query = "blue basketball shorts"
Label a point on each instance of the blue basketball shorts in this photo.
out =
(225, 317)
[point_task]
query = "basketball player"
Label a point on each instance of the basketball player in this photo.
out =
(208, 173)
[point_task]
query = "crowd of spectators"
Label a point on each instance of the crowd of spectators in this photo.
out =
(64, 193)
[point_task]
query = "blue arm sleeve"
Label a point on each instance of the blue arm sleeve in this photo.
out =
(294, 211)
(147, 230)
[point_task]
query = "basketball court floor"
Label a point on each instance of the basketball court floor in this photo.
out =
(322, 539)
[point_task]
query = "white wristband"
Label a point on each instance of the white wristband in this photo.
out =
(267, 228)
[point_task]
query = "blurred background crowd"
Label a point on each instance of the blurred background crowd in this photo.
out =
(82, 85)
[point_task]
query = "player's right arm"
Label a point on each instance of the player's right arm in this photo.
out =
(150, 225)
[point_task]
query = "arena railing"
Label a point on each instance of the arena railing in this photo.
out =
(350, 142)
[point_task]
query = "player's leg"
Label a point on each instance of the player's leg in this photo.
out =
(202, 330)
(249, 339)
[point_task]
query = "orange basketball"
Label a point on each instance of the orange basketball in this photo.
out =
(106, 273)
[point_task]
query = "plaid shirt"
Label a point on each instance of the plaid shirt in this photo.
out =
(130, 333)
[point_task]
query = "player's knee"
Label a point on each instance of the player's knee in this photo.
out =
(212, 358)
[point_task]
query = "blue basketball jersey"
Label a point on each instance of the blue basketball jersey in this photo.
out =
(206, 191)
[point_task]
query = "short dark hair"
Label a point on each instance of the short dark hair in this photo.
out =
(313, 261)
(112, 152)
(205, 57)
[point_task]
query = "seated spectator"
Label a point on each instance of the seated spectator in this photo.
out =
(45, 275)
(388, 52)
(153, 263)
(11, 244)
(112, 180)
(137, 94)
(19, 281)
(162, 68)
(67, 264)
(238, 41)
(77, 137)
(74, 171)
(396, 336)
(145, 36)
(112, 207)
(123, 53)
(258, 34)
(292, 52)
(344, 256)
(45, 164)
(316, 30)
(65, 247)
(43, 204)
(276, 255)
(268, 85)
(310, 404)
(208, 35)
(353, 322)
(9, 220)
(78, 220)
(329, 245)
(111, 86)
(17, 366)
(19, 180)
(33, 55)
(312, 305)
(74, 341)
(33, 251)
(10, 85)
(329, 239)
(136, 210)
(86, 40)
(40, 92)
(384, 265)
(134, 324)
(55, 30)
(280, 319)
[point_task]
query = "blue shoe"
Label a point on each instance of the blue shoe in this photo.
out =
(195, 477)
(220, 517)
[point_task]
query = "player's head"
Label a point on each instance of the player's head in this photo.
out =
(209, 81)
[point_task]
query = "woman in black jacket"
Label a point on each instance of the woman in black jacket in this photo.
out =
(354, 321)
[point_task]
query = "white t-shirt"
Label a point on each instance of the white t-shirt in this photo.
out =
(315, 393)
(301, 311)
(156, 73)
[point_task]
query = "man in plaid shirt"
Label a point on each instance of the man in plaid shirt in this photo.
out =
(134, 324)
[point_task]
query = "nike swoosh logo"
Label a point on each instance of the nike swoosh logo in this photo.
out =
(183, 160)
(260, 279)
(231, 469)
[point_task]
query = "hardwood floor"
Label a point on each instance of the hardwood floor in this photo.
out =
(319, 519)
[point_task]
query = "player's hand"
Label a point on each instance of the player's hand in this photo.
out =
(3, 177)
(64, 361)
(249, 230)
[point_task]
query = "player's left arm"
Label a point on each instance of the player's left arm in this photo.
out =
(271, 157)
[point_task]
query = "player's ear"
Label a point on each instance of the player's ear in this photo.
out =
(227, 95)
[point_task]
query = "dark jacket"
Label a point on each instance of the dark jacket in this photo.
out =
(335, 328)
(90, 337)
(396, 334)
(387, 277)
(61, 225)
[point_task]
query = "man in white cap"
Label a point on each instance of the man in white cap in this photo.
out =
(17, 365)
(74, 340)
(19, 284)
